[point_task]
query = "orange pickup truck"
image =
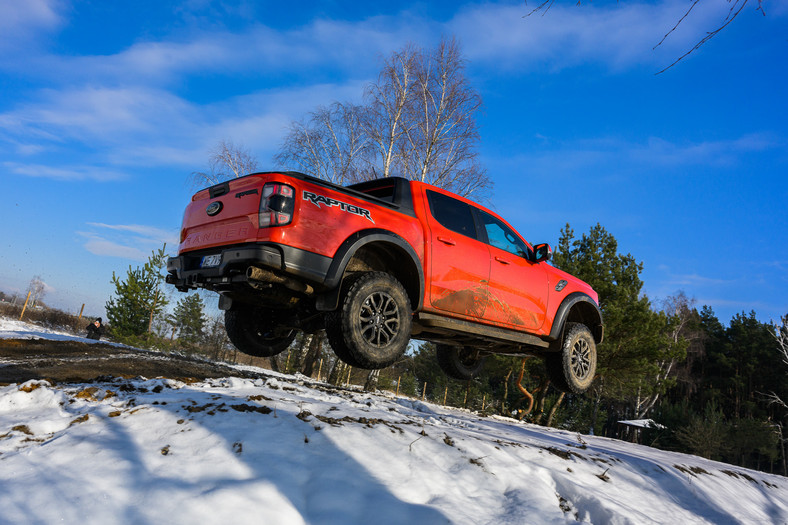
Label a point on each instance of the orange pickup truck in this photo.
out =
(377, 263)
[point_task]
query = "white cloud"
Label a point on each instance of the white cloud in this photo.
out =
(619, 35)
(71, 173)
(144, 231)
(127, 241)
(710, 153)
(494, 34)
(103, 247)
(253, 52)
(655, 152)
(696, 281)
(20, 20)
(135, 126)
(48, 289)
(97, 113)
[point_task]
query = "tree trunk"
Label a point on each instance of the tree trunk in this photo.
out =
(595, 411)
(372, 381)
(506, 391)
(554, 409)
(312, 355)
(274, 363)
(152, 309)
(337, 371)
(543, 386)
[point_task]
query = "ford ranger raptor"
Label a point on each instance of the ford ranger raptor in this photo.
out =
(377, 264)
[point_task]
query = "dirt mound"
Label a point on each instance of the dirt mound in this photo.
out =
(76, 361)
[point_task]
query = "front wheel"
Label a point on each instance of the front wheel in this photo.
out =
(261, 332)
(374, 321)
(333, 324)
(573, 368)
(460, 363)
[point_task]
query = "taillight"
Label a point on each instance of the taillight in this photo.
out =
(276, 205)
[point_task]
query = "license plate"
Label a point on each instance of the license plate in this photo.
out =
(210, 261)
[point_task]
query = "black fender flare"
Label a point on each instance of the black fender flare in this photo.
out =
(592, 316)
(333, 280)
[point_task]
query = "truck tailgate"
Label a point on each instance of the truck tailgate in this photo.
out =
(223, 214)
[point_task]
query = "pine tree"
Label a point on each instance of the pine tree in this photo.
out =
(188, 318)
(638, 341)
(706, 435)
(138, 298)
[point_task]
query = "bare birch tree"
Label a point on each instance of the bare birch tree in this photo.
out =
(440, 142)
(781, 335)
(418, 121)
(227, 161)
(390, 102)
(329, 144)
(678, 310)
(37, 290)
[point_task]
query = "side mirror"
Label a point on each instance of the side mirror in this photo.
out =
(542, 252)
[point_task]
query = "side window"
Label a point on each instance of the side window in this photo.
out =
(452, 214)
(503, 237)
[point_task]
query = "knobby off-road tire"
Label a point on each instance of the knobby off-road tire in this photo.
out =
(258, 331)
(333, 322)
(459, 363)
(372, 327)
(573, 368)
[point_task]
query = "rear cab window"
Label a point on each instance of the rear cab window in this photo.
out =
(452, 214)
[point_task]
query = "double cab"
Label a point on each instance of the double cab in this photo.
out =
(377, 264)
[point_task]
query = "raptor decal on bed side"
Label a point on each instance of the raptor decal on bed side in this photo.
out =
(317, 200)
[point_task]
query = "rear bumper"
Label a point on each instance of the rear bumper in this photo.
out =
(185, 272)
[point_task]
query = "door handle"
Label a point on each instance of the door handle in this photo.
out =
(502, 261)
(446, 240)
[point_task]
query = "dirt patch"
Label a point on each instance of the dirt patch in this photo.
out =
(75, 361)
(692, 471)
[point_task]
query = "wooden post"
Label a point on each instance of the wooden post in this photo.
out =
(25, 306)
(400, 377)
(319, 367)
(484, 398)
(349, 370)
(423, 391)
(287, 363)
(80, 312)
(445, 395)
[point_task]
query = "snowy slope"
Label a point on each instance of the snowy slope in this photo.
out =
(284, 450)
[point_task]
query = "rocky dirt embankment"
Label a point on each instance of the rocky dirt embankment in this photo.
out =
(76, 361)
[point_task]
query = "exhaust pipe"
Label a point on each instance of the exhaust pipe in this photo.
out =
(253, 273)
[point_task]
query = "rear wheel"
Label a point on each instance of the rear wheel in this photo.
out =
(457, 362)
(261, 332)
(573, 368)
(372, 326)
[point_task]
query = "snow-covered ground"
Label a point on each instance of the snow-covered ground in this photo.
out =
(11, 328)
(287, 450)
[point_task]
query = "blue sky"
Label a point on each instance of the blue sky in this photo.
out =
(106, 108)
